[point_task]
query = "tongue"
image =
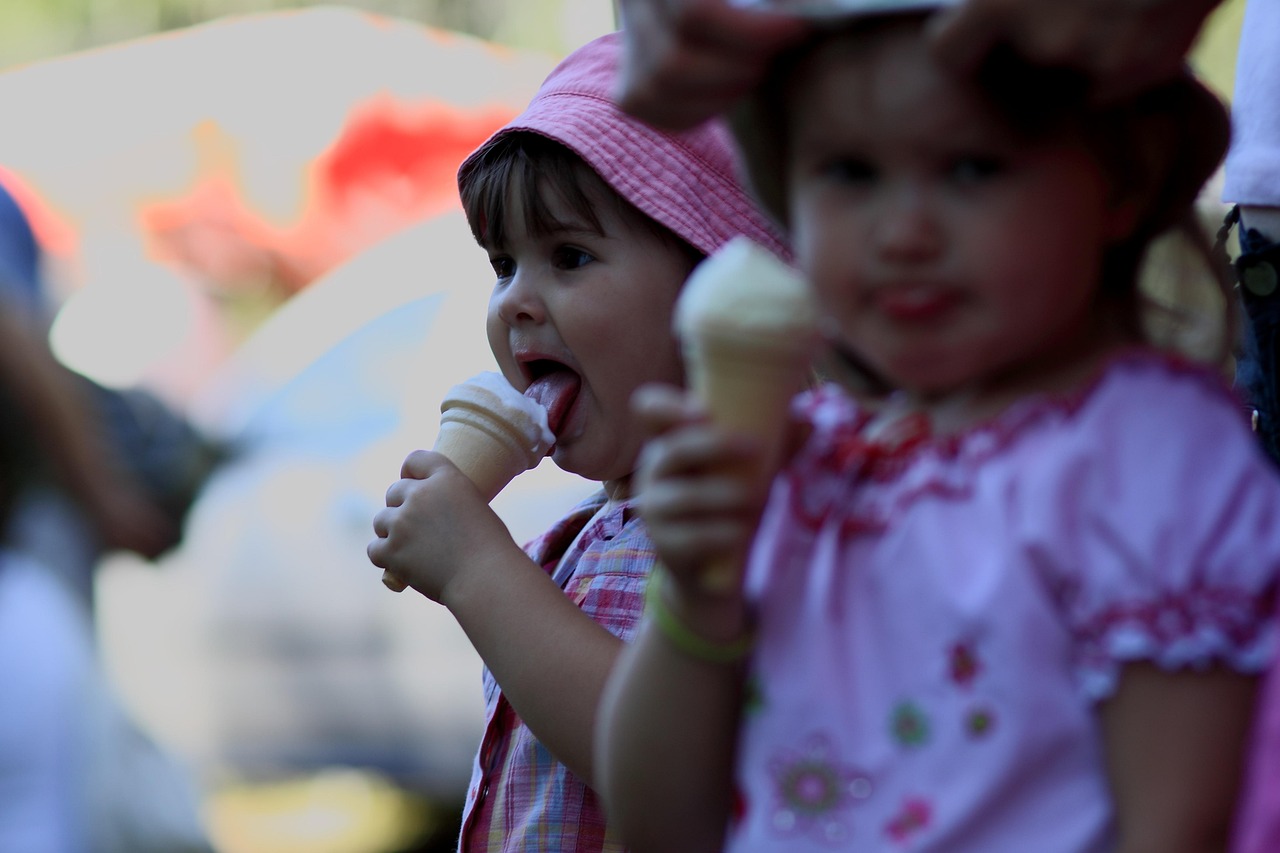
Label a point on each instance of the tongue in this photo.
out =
(556, 392)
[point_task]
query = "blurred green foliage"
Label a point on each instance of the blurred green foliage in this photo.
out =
(1214, 54)
(31, 30)
(37, 29)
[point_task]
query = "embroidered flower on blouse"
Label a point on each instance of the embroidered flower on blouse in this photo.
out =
(909, 725)
(913, 817)
(815, 792)
(963, 664)
(978, 722)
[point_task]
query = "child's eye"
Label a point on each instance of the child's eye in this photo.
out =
(570, 258)
(503, 266)
(974, 168)
(849, 170)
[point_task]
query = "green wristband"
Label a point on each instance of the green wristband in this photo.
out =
(682, 636)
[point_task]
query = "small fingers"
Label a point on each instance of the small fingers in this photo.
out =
(378, 547)
(696, 448)
(707, 497)
(419, 464)
(661, 408)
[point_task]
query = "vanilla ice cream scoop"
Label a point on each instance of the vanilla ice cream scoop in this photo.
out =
(746, 291)
(517, 424)
(748, 326)
(492, 433)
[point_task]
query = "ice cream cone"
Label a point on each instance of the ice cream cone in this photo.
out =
(749, 330)
(748, 385)
(492, 434)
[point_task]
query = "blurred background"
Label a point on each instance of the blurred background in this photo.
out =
(247, 213)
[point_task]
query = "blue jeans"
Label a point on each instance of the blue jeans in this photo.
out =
(1258, 363)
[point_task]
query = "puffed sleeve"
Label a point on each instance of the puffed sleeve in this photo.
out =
(1157, 531)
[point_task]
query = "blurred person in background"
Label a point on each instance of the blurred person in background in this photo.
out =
(90, 469)
(75, 773)
(1252, 181)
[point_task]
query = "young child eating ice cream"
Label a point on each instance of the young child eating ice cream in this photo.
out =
(592, 221)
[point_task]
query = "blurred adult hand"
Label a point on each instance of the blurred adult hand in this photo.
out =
(128, 520)
(688, 60)
(1123, 46)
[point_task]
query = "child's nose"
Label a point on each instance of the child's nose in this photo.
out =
(518, 301)
(908, 228)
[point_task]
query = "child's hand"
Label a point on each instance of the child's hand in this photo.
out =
(697, 494)
(436, 524)
(1124, 46)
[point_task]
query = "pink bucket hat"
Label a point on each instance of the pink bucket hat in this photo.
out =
(688, 182)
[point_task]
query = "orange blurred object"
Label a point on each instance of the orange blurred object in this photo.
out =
(394, 164)
(261, 148)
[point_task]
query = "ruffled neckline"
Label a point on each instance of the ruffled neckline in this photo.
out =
(868, 479)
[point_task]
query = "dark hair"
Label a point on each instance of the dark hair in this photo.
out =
(538, 165)
(1169, 164)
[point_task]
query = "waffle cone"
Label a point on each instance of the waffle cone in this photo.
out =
(489, 450)
(747, 384)
(488, 447)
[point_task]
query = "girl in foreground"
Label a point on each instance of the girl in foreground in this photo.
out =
(1019, 604)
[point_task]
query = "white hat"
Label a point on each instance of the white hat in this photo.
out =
(844, 8)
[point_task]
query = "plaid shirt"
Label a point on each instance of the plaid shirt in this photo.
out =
(521, 798)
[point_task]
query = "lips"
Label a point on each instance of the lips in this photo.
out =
(555, 387)
(915, 303)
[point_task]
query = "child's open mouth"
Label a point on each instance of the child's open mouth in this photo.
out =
(555, 386)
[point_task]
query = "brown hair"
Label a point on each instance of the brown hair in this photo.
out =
(538, 165)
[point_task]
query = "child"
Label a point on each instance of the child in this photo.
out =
(592, 221)
(1019, 605)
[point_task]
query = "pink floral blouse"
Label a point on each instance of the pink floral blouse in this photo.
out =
(938, 619)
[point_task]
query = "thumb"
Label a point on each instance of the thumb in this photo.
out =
(421, 464)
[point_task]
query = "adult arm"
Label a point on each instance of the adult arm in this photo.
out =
(63, 425)
(1124, 46)
(688, 60)
(1175, 750)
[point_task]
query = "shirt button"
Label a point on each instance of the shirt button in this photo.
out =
(1260, 279)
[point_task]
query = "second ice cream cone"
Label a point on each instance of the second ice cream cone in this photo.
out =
(747, 385)
(747, 323)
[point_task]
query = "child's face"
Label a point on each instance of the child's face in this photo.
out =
(946, 250)
(588, 316)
